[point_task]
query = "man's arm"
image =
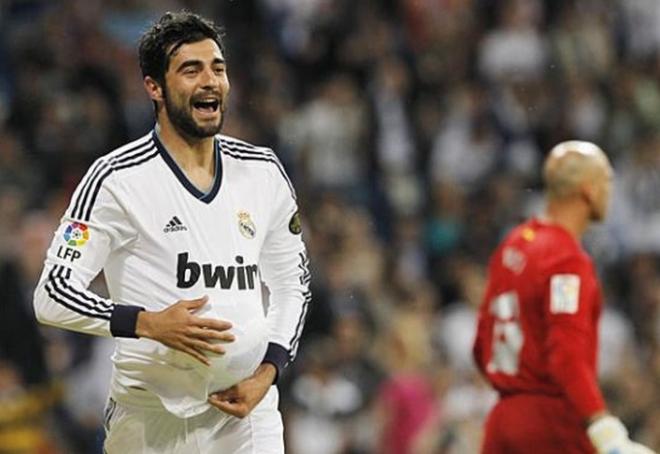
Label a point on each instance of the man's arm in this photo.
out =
(484, 333)
(80, 247)
(569, 305)
(285, 271)
(240, 400)
(78, 252)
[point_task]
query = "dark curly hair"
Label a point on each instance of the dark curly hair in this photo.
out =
(170, 32)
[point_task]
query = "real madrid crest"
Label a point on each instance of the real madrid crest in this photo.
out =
(246, 226)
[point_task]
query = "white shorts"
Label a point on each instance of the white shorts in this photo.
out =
(136, 430)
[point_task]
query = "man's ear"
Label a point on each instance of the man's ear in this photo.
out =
(588, 192)
(154, 89)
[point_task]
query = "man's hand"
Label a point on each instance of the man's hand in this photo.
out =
(178, 328)
(609, 436)
(240, 399)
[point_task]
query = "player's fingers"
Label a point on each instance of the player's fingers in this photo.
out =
(210, 334)
(230, 395)
(238, 409)
(193, 305)
(212, 323)
(200, 345)
(221, 405)
(198, 355)
(227, 395)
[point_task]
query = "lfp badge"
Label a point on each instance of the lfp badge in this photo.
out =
(76, 234)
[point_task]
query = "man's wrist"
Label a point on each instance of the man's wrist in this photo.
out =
(267, 371)
(124, 320)
(143, 324)
(278, 356)
(595, 417)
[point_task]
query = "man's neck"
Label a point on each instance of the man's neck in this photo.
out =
(191, 154)
(569, 214)
(195, 157)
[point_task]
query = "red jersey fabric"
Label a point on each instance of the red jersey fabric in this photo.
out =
(538, 324)
(535, 423)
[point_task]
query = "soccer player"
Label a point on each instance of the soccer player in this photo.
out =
(185, 223)
(537, 332)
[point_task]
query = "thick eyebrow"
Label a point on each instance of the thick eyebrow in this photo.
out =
(188, 63)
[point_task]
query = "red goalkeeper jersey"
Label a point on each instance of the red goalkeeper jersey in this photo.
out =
(538, 323)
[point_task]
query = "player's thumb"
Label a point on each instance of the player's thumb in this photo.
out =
(193, 305)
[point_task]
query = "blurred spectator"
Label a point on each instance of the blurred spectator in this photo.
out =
(456, 324)
(641, 19)
(27, 391)
(583, 44)
(616, 345)
(407, 400)
(467, 146)
(516, 48)
(636, 204)
(586, 109)
(323, 401)
(16, 168)
(394, 142)
(329, 134)
(446, 220)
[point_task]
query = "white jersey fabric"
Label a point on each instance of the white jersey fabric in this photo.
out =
(159, 240)
(134, 430)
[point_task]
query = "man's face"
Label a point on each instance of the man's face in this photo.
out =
(603, 189)
(196, 88)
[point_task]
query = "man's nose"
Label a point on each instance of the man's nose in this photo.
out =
(209, 78)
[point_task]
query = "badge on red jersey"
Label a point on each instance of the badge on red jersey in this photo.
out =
(514, 259)
(564, 293)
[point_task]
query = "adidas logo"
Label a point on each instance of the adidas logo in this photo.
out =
(175, 225)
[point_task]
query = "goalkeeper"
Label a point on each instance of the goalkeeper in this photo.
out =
(537, 332)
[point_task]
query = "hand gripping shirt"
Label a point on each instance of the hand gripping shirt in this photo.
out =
(538, 323)
(159, 240)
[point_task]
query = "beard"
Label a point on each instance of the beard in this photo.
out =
(182, 119)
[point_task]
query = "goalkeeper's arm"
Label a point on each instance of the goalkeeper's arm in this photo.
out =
(609, 436)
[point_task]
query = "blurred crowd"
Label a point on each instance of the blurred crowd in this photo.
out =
(414, 131)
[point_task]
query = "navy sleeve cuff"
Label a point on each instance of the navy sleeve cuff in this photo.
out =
(278, 356)
(123, 320)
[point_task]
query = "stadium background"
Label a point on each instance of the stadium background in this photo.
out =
(414, 131)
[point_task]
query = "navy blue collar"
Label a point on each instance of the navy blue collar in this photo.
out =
(206, 197)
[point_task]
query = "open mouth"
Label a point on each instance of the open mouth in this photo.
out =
(207, 106)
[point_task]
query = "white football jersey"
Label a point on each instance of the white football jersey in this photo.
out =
(158, 240)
